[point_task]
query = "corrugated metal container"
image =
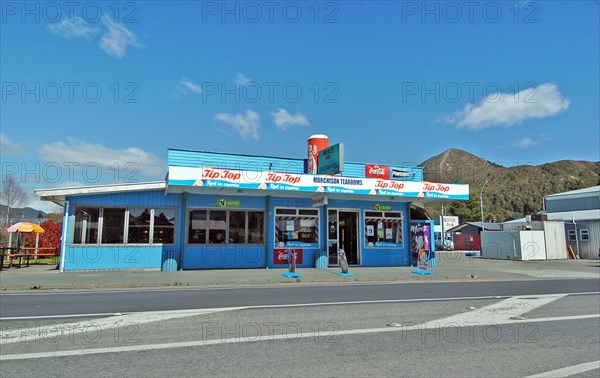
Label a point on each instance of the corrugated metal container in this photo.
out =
(556, 245)
(556, 205)
(588, 249)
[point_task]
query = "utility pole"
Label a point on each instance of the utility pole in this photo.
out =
(443, 230)
(481, 202)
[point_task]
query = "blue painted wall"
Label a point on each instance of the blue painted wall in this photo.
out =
(119, 256)
(379, 256)
(222, 256)
(92, 257)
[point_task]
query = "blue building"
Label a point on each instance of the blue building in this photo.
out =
(218, 210)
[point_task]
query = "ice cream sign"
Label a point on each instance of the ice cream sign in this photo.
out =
(280, 181)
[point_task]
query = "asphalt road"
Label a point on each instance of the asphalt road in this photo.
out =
(124, 301)
(503, 329)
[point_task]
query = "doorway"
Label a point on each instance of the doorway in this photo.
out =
(342, 232)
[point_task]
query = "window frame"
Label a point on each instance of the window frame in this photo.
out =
(295, 212)
(385, 216)
(227, 211)
(125, 231)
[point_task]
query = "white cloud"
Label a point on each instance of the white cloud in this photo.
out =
(186, 86)
(504, 109)
(525, 143)
(284, 120)
(37, 203)
(241, 79)
(116, 165)
(72, 27)
(8, 147)
(246, 125)
(117, 39)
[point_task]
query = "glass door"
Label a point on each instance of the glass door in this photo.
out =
(342, 232)
(332, 236)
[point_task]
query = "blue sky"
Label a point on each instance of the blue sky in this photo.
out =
(95, 92)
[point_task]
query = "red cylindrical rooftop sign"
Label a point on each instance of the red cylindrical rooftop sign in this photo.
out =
(315, 144)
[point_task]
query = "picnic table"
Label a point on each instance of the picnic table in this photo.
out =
(25, 252)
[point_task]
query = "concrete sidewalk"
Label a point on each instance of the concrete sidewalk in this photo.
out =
(451, 266)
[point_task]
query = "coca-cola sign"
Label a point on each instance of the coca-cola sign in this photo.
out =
(280, 255)
(377, 171)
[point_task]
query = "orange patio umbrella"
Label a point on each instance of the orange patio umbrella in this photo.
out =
(25, 227)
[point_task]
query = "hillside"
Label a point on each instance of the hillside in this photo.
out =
(511, 191)
(21, 213)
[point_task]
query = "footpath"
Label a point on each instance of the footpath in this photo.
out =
(451, 266)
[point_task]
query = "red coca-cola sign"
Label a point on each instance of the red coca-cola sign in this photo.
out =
(280, 255)
(377, 171)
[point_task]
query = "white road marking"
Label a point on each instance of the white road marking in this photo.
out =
(114, 322)
(500, 313)
(41, 317)
(568, 371)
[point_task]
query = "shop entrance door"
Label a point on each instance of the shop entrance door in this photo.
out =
(343, 233)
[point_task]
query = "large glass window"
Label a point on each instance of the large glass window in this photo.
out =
(134, 225)
(139, 225)
(256, 227)
(113, 225)
(217, 226)
(86, 225)
(237, 227)
(226, 227)
(164, 226)
(197, 227)
(296, 227)
(383, 229)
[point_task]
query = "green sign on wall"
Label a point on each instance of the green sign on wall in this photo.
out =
(331, 160)
(221, 202)
(380, 207)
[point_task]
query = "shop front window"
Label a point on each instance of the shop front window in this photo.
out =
(217, 226)
(139, 225)
(237, 227)
(113, 225)
(297, 228)
(383, 229)
(256, 227)
(86, 225)
(197, 227)
(226, 227)
(164, 226)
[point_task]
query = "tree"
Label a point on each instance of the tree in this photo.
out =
(12, 196)
(50, 238)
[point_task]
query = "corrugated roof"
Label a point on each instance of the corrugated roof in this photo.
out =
(577, 193)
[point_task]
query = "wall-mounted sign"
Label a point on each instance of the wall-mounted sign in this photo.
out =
(331, 160)
(377, 171)
(380, 207)
(398, 173)
(219, 178)
(221, 202)
(319, 201)
(280, 255)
